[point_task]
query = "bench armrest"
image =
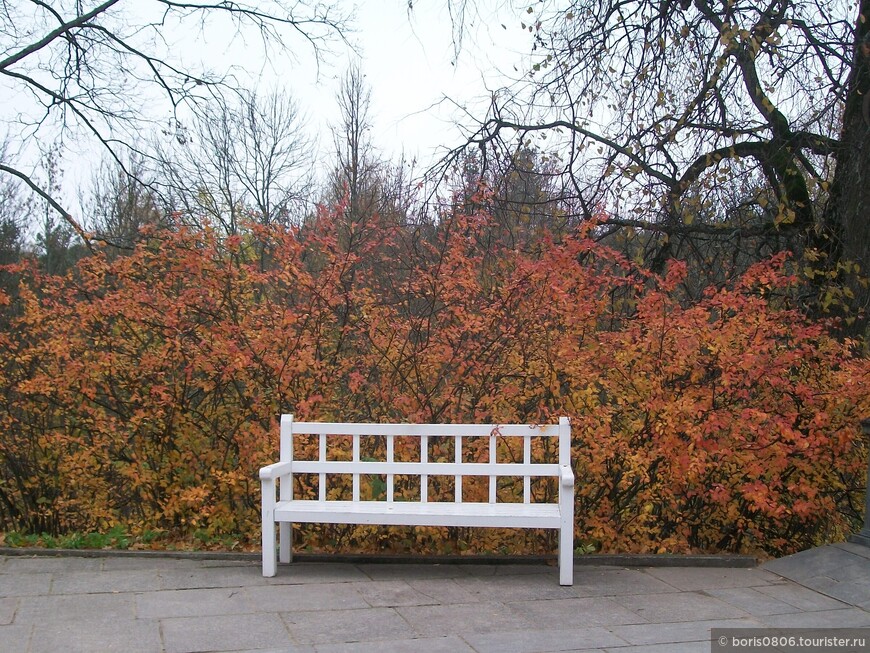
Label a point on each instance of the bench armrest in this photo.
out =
(275, 470)
(566, 476)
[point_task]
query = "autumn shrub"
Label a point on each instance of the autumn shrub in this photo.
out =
(143, 391)
(726, 425)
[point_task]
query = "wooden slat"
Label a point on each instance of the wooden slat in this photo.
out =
(457, 479)
(492, 462)
(391, 453)
(527, 459)
(356, 466)
(285, 491)
(466, 430)
(321, 485)
(429, 469)
(520, 515)
(424, 458)
(564, 432)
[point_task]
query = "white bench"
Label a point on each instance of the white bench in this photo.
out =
(284, 509)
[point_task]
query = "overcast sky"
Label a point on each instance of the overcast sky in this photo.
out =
(419, 83)
(411, 65)
(419, 87)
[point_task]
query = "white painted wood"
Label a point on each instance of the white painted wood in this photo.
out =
(321, 483)
(457, 478)
(566, 527)
(286, 444)
(417, 469)
(390, 458)
(356, 467)
(414, 513)
(465, 430)
(268, 520)
(277, 483)
(423, 468)
(275, 470)
(492, 462)
(527, 480)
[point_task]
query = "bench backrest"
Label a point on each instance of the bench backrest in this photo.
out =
(507, 453)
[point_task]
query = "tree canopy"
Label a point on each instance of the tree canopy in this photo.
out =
(728, 119)
(89, 69)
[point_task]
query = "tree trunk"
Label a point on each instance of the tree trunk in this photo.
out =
(847, 214)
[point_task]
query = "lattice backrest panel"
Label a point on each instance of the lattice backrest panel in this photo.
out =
(424, 462)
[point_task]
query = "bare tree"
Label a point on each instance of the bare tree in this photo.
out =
(356, 170)
(667, 111)
(57, 247)
(15, 206)
(87, 65)
(244, 158)
(121, 204)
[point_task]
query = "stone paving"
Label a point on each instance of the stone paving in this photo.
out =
(163, 605)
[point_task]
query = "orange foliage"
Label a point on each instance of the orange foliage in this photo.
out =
(144, 391)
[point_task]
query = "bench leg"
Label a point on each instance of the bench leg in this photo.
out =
(566, 536)
(566, 556)
(285, 542)
(269, 553)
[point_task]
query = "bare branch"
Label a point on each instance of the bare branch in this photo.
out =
(50, 200)
(49, 38)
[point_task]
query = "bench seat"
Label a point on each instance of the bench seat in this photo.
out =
(400, 513)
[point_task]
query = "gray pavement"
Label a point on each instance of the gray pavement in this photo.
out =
(132, 604)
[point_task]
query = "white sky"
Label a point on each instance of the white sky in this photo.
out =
(408, 59)
(418, 86)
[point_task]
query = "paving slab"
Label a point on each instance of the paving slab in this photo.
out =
(572, 613)
(846, 617)
(25, 584)
(701, 578)
(393, 593)
(45, 564)
(192, 603)
(309, 597)
(858, 549)
(290, 648)
(522, 587)
(311, 572)
(148, 563)
(839, 571)
(189, 605)
(752, 600)
(612, 581)
(683, 647)
(347, 626)
(97, 582)
(802, 598)
(8, 608)
(87, 636)
(84, 608)
(677, 632)
(534, 640)
(388, 571)
(852, 591)
(446, 644)
(489, 617)
(443, 590)
(681, 606)
(202, 577)
(224, 633)
(15, 638)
